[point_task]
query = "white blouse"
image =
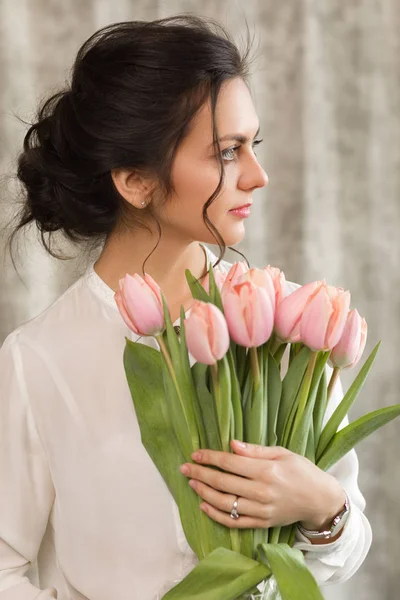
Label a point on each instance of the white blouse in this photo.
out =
(83, 509)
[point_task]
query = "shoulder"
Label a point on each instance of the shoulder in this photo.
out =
(67, 314)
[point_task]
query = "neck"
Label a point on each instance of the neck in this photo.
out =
(166, 265)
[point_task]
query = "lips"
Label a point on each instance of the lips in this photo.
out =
(243, 206)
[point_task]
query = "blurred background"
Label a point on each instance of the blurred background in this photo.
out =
(326, 86)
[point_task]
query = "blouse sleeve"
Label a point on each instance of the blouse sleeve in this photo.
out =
(26, 489)
(339, 560)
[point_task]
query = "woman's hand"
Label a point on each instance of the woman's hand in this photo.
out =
(275, 486)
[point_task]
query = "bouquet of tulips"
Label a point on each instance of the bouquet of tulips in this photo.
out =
(240, 326)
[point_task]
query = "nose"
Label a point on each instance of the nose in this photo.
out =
(253, 175)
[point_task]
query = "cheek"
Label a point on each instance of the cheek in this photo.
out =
(194, 185)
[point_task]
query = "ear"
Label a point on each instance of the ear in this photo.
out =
(132, 185)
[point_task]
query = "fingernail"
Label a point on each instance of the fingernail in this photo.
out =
(184, 469)
(240, 444)
(196, 455)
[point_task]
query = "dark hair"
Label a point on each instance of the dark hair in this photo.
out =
(135, 88)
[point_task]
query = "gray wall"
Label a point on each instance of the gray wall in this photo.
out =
(327, 91)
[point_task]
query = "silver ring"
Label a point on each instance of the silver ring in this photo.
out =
(234, 512)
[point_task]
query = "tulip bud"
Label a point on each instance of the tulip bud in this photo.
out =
(140, 305)
(260, 278)
(220, 278)
(324, 317)
(279, 280)
(234, 273)
(206, 333)
(290, 310)
(348, 351)
(249, 311)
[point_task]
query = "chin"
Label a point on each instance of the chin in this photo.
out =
(230, 237)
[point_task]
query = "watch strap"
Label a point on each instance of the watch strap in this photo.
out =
(337, 524)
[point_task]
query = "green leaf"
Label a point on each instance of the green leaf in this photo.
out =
(242, 365)
(236, 399)
(298, 439)
(144, 373)
(341, 411)
(345, 439)
(207, 407)
(221, 391)
(274, 386)
(255, 411)
(188, 385)
(197, 290)
(179, 379)
(320, 407)
(290, 387)
(222, 575)
(279, 352)
(214, 290)
(295, 581)
(310, 446)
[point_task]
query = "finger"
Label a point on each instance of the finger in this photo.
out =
(243, 522)
(227, 461)
(225, 482)
(224, 502)
(255, 451)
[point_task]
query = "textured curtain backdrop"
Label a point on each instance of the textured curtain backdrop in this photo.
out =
(327, 91)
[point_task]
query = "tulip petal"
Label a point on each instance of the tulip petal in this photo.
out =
(154, 287)
(288, 313)
(363, 341)
(123, 312)
(315, 319)
(340, 304)
(218, 332)
(233, 310)
(262, 317)
(196, 333)
(345, 351)
(236, 270)
(142, 306)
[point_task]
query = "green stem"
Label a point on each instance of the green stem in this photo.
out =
(279, 352)
(167, 356)
(274, 535)
(255, 369)
(332, 382)
(305, 389)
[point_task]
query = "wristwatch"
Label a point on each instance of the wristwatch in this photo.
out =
(337, 524)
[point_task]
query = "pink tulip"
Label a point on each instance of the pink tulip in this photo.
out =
(290, 310)
(261, 278)
(279, 281)
(219, 277)
(249, 311)
(206, 333)
(348, 351)
(324, 317)
(234, 273)
(139, 302)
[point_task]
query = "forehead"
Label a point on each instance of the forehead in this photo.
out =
(235, 114)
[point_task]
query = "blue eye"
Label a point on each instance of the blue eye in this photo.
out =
(229, 157)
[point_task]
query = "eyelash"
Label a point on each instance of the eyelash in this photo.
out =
(255, 143)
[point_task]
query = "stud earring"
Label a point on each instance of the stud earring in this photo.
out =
(143, 203)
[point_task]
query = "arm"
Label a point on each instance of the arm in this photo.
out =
(339, 560)
(26, 491)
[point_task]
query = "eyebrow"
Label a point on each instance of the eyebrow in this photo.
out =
(238, 137)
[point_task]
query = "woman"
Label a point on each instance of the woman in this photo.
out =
(146, 154)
